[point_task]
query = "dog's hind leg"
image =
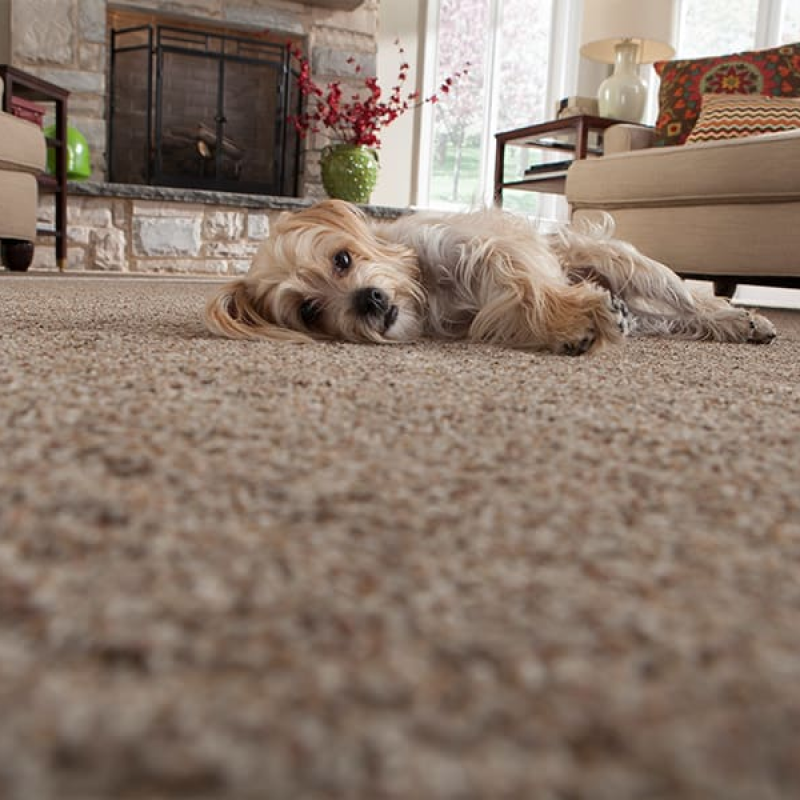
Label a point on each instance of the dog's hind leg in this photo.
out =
(711, 319)
(620, 268)
(660, 302)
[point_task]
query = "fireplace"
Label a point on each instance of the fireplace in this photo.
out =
(199, 109)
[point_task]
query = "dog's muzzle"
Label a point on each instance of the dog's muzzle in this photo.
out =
(372, 303)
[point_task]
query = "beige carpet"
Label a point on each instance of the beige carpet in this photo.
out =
(238, 570)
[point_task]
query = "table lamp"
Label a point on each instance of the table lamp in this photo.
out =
(626, 33)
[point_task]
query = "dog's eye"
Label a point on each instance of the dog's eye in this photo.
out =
(310, 311)
(342, 262)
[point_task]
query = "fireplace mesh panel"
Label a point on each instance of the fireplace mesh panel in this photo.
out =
(202, 110)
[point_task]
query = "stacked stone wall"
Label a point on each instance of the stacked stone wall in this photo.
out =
(127, 234)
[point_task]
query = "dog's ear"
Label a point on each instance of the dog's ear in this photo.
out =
(235, 312)
(334, 214)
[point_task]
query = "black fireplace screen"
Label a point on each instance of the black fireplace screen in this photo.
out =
(202, 110)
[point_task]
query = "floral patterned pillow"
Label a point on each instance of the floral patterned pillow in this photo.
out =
(774, 72)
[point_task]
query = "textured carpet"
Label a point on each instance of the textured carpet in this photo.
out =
(251, 570)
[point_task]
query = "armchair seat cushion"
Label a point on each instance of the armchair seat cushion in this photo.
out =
(22, 146)
(18, 196)
(757, 169)
(23, 151)
(728, 210)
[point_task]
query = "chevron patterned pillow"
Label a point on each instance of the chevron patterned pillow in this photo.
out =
(729, 116)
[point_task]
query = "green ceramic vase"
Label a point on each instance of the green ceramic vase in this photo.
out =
(349, 172)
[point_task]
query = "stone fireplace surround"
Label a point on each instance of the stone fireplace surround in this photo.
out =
(173, 84)
(120, 227)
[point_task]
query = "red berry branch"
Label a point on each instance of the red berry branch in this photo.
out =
(359, 119)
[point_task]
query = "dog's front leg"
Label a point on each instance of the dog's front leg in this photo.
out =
(569, 320)
(490, 277)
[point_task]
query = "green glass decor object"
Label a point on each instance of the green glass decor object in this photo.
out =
(349, 172)
(78, 161)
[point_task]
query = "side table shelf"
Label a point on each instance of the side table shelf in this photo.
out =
(29, 87)
(566, 139)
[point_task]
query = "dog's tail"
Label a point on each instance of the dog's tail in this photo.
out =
(234, 312)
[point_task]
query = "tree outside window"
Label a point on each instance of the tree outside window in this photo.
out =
(516, 78)
(458, 119)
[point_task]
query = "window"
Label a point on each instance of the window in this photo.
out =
(716, 26)
(726, 26)
(524, 56)
(507, 87)
(522, 74)
(458, 121)
(790, 24)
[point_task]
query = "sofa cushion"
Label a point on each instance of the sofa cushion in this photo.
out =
(774, 72)
(753, 169)
(22, 145)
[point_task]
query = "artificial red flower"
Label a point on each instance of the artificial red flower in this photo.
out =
(359, 120)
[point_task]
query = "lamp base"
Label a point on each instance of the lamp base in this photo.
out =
(623, 95)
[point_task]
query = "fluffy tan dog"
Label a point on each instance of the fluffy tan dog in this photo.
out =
(327, 272)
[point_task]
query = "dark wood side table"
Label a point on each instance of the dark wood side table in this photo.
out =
(29, 87)
(565, 140)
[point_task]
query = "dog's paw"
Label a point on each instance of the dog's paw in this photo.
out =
(619, 309)
(578, 348)
(608, 321)
(762, 331)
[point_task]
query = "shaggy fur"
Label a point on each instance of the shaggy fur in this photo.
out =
(328, 272)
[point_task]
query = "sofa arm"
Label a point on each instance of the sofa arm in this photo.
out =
(624, 137)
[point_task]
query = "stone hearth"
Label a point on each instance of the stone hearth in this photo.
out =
(130, 228)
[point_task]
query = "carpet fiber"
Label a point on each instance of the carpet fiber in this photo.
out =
(257, 570)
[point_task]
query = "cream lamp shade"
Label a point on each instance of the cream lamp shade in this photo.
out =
(626, 33)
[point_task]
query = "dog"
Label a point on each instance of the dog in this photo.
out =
(328, 272)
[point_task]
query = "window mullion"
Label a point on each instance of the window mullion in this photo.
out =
(768, 25)
(490, 94)
(428, 81)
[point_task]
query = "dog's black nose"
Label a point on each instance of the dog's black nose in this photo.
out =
(369, 301)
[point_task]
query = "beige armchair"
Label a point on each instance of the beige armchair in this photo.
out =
(22, 157)
(726, 211)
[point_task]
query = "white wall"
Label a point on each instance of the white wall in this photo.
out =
(399, 153)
